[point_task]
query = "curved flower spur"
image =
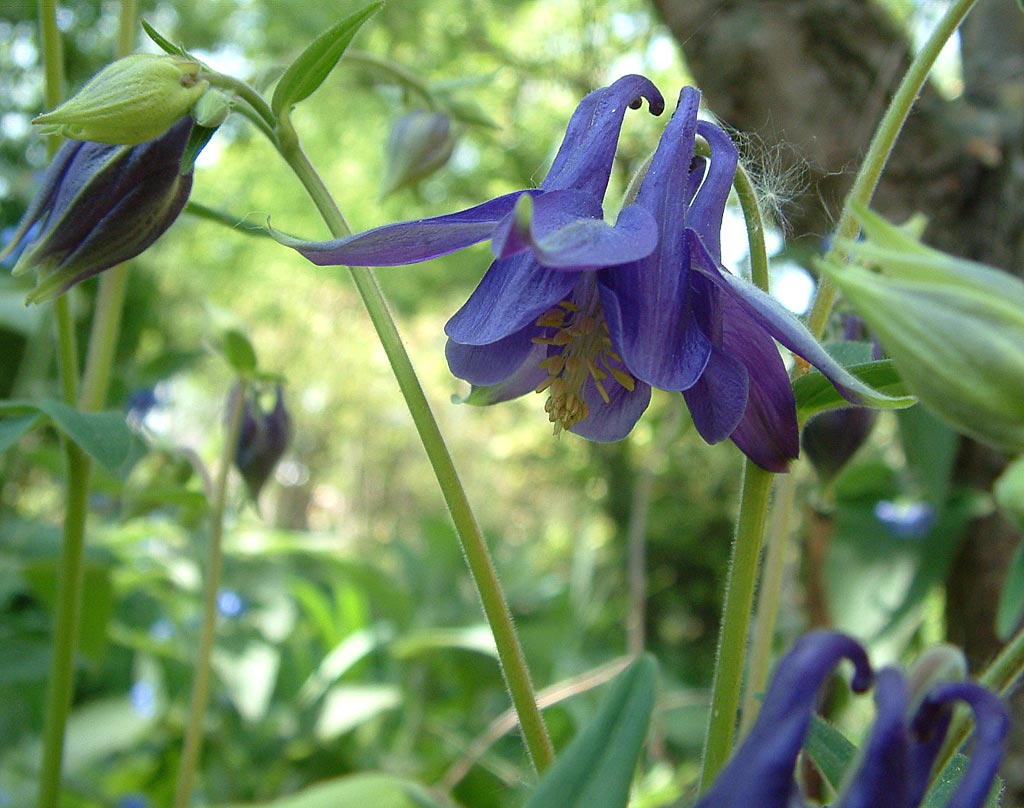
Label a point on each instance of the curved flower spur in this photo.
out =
(596, 315)
(896, 761)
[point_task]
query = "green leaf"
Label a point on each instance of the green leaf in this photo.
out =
(1011, 599)
(830, 750)
(366, 790)
(315, 63)
(239, 352)
(92, 632)
(12, 428)
(815, 393)
(930, 446)
(596, 769)
(949, 778)
(104, 436)
(162, 42)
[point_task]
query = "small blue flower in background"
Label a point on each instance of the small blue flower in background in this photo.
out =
(162, 630)
(897, 759)
(906, 519)
(143, 698)
(597, 315)
(98, 206)
(230, 603)
(133, 801)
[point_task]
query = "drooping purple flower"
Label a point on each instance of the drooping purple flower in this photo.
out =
(535, 319)
(597, 315)
(100, 205)
(897, 759)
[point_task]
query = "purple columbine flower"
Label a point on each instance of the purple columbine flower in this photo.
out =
(596, 315)
(100, 205)
(896, 762)
(535, 318)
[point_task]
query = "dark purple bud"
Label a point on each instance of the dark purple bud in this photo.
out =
(262, 441)
(100, 205)
(831, 439)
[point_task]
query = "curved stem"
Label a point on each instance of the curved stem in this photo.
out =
(755, 227)
(201, 683)
(395, 70)
(732, 642)
(882, 144)
(478, 558)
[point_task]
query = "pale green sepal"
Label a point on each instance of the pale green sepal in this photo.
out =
(130, 101)
(1009, 491)
(315, 63)
(596, 769)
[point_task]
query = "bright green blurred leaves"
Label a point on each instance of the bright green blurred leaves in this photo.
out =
(239, 353)
(364, 790)
(104, 436)
(596, 769)
(315, 63)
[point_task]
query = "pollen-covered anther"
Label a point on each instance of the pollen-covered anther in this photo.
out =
(586, 355)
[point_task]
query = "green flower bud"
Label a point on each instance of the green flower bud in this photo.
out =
(132, 100)
(420, 143)
(212, 109)
(954, 328)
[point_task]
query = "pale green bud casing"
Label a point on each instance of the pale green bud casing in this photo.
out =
(954, 328)
(1009, 491)
(420, 143)
(130, 101)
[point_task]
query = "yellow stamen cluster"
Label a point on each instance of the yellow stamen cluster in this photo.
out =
(586, 354)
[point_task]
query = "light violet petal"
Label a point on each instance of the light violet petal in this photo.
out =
(584, 160)
(708, 207)
(485, 365)
(606, 423)
(408, 242)
(512, 294)
(572, 242)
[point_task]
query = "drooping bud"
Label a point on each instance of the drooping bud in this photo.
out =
(100, 205)
(262, 441)
(420, 143)
(954, 328)
(129, 101)
(831, 438)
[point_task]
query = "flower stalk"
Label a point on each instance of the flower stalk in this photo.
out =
(474, 547)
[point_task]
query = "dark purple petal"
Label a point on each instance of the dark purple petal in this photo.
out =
(566, 230)
(489, 364)
(784, 326)
(526, 378)
(648, 303)
(408, 242)
(584, 160)
(719, 398)
(991, 725)
(610, 422)
(760, 772)
(768, 433)
(708, 206)
(512, 294)
(882, 776)
(831, 438)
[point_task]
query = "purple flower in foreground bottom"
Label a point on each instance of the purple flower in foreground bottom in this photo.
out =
(100, 205)
(897, 759)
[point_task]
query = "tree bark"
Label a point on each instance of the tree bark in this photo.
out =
(805, 82)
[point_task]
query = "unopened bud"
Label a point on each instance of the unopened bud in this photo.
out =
(132, 100)
(953, 328)
(420, 143)
(262, 441)
(1009, 491)
(99, 205)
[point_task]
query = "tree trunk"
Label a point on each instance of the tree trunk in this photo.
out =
(808, 81)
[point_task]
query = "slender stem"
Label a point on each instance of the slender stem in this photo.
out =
(71, 572)
(755, 227)
(739, 597)
(763, 631)
(395, 70)
(882, 144)
(474, 547)
(264, 115)
(201, 683)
